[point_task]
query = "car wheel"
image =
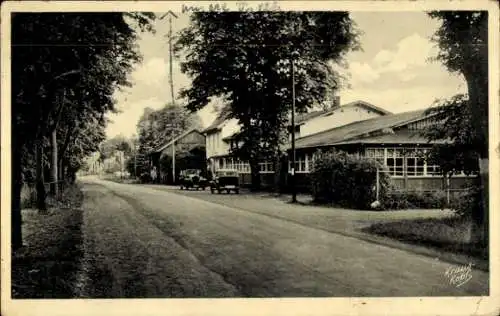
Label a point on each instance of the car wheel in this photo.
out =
(218, 191)
(212, 191)
(237, 191)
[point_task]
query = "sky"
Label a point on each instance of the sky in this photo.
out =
(393, 70)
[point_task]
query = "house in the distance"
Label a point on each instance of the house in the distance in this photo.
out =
(186, 151)
(219, 134)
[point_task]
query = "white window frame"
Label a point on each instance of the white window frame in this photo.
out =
(299, 159)
(398, 154)
(266, 167)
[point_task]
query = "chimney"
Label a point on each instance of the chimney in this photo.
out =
(331, 103)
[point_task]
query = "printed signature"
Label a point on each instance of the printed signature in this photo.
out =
(459, 275)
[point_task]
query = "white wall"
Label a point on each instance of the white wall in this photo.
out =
(339, 117)
(215, 145)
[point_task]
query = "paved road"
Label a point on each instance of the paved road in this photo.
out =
(141, 242)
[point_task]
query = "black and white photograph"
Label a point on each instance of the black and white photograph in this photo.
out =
(250, 150)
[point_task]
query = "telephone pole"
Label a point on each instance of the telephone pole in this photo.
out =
(170, 14)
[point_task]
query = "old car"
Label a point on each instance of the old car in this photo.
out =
(192, 178)
(225, 180)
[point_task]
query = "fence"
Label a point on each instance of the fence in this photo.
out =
(431, 190)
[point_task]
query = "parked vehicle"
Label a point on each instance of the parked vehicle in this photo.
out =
(192, 178)
(225, 180)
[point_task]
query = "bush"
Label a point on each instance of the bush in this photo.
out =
(415, 200)
(346, 180)
(468, 202)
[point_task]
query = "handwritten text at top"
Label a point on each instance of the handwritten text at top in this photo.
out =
(240, 6)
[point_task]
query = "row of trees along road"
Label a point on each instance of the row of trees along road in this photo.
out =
(157, 127)
(65, 69)
(462, 39)
(235, 56)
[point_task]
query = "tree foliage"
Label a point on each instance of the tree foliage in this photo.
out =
(235, 56)
(454, 125)
(462, 39)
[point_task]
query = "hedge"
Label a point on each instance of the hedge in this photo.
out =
(346, 180)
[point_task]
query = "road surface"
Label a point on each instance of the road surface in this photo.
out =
(140, 242)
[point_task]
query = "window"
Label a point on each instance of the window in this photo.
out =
(240, 166)
(266, 167)
(228, 163)
(433, 170)
(415, 161)
(393, 159)
(376, 153)
(301, 163)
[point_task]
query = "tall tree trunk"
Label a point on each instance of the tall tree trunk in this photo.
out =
(54, 164)
(480, 233)
(17, 185)
(477, 85)
(60, 175)
(40, 187)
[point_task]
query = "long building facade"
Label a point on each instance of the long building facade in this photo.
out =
(395, 140)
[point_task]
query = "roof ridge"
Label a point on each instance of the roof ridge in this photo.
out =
(165, 145)
(358, 122)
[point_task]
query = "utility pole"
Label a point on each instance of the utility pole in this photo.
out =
(170, 14)
(294, 191)
(173, 162)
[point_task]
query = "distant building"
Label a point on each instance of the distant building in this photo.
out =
(189, 150)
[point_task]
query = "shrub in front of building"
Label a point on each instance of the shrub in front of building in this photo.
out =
(346, 180)
(415, 200)
(468, 202)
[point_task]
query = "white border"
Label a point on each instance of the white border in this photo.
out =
(317, 306)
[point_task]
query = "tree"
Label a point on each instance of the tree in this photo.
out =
(65, 68)
(156, 128)
(462, 39)
(117, 143)
(235, 56)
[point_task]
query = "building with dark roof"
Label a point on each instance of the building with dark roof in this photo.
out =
(396, 140)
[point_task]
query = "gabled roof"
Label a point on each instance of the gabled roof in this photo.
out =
(223, 115)
(302, 118)
(357, 129)
(162, 147)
